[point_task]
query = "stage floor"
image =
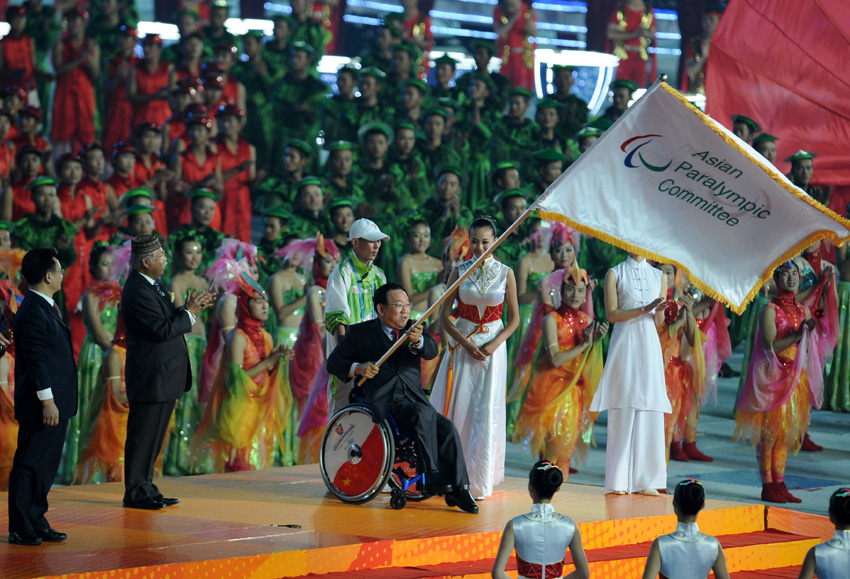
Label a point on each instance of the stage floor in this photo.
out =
(237, 520)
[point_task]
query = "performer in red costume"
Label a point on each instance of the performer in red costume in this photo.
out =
(783, 382)
(147, 85)
(631, 31)
(238, 172)
(515, 24)
(76, 60)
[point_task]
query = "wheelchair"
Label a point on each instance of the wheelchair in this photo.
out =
(358, 458)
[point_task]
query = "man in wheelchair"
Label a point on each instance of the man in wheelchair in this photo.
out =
(396, 388)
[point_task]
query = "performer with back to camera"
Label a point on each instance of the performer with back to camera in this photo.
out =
(157, 370)
(395, 388)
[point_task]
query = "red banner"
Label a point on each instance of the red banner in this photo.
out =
(786, 65)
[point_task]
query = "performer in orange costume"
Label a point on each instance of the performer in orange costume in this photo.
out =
(555, 418)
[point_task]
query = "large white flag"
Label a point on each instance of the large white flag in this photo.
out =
(670, 183)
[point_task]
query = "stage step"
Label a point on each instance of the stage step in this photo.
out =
(780, 573)
(755, 555)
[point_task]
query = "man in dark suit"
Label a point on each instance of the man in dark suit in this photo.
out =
(157, 368)
(45, 398)
(396, 388)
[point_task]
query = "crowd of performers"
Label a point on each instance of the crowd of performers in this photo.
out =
(198, 142)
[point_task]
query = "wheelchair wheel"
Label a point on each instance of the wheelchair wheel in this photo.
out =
(398, 500)
(356, 455)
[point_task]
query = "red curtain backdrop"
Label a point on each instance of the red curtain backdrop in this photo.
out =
(787, 66)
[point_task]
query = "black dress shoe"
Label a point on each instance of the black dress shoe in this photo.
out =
(436, 484)
(462, 499)
(51, 535)
(147, 504)
(168, 502)
(27, 539)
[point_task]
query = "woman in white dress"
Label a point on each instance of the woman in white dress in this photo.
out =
(632, 388)
(469, 388)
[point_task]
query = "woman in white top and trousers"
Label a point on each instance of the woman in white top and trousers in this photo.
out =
(632, 388)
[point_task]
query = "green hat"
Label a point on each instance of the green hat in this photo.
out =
(521, 91)
(587, 132)
(558, 67)
(393, 17)
(355, 72)
(258, 34)
(281, 16)
(301, 145)
(374, 72)
(448, 102)
(191, 13)
(764, 138)
(374, 127)
(747, 121)
(418, 84)
(446, 59)
(204, 192)
(220, 4)
(484, 44)
(138, 209)
(486, 79)
(308, 180)
(393, 21)
(339, 203)
(448, 168)
(278, 212)
(502, 165)
(39, 181)
(131, 193)
(405, 125)
(408, 48)
(601, 123)
(339, 146)
(301, 45)
(800, 155)
(549, 156)
(7, 225)
(623, 83)
(508, 194)
(548, 103)
(435, 111)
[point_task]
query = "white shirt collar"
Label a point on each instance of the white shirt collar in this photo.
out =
(387, 330)
(50, 301)
(636, 263)
(150, 279)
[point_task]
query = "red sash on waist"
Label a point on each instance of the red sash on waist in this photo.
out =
(534, 570)
(471, 313)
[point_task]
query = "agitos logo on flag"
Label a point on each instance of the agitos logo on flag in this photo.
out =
(668, 182)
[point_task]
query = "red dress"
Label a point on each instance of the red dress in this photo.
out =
(632, 52)
(176, 128)
(73, 101)
(7, 158)
(516, 50)
(419, 27)
(95, 189)
(230, 92)
(142, 174)
(183, 71)
(75, 282)
(156, 111)
(118, 124)
(17, 54)
(22, 204)
(121, 184)
(178, 208)
(236, 205)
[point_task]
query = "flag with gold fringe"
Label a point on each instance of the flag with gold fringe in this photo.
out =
(668, 182)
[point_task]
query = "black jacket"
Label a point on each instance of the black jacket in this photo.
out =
(157, 368)
(367, 342)
(44, 359)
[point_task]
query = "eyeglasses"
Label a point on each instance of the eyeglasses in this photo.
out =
(406, 306)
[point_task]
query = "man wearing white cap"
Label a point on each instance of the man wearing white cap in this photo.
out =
(348, 299)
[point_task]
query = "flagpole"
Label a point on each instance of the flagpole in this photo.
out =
(453, 287)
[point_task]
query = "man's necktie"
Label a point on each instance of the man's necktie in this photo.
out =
(396, 335)
(158, 289)
(58, 311)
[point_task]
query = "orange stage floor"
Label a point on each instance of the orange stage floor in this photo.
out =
(235, 525)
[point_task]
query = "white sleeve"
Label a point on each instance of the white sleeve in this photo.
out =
(336, 296)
